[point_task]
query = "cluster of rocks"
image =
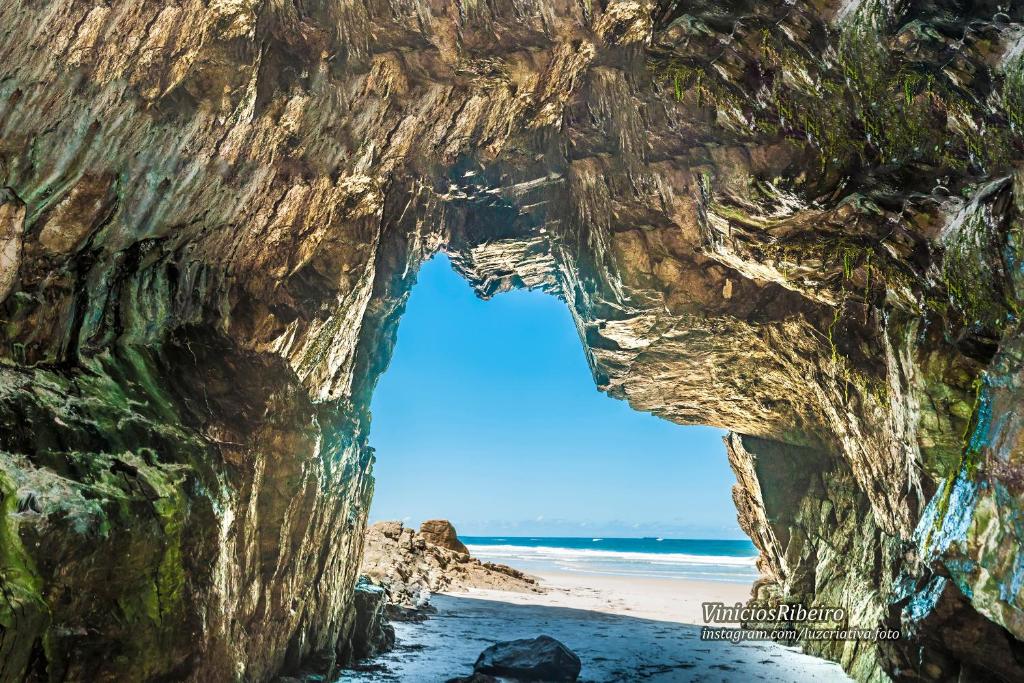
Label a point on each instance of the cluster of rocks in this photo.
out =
(537, 659)
(412, 565)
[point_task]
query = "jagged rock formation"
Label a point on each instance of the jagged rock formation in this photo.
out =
(371, 633)
(799, 221)
(412, 565)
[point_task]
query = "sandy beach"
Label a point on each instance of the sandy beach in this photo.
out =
(623, 629)
(674, 600)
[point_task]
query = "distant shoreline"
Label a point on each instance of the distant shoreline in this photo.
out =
(609, 538)
(717, 560)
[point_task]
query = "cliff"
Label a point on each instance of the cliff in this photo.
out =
(798, 221)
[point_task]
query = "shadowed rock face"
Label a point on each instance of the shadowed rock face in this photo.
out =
(799, 221)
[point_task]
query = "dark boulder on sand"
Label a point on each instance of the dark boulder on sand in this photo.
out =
(540, 659)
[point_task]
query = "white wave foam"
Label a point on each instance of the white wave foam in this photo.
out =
(567, 554)
(686, 574)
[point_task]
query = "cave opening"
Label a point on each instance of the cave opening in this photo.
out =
(488, 417)
(798, 221)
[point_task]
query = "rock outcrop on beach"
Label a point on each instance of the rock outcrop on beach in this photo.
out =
(797, 221)
(411, 566)
(440, 532)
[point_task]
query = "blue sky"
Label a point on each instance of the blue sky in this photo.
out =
(488, 416)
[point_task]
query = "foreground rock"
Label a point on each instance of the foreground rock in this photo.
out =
(411, 567)
(530, 659)
(540, 659)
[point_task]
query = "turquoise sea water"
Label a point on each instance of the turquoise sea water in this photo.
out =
(669, 558)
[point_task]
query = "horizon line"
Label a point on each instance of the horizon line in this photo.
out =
(603, 538)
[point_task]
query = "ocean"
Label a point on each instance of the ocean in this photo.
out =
(665, 558)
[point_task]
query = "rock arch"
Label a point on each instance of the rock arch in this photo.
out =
(800, 222)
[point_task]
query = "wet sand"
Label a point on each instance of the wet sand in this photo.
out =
(623, 629)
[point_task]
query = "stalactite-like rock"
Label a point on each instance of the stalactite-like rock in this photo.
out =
(799, 221)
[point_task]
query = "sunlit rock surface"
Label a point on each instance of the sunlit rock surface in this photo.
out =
(799, 221)
(412, 566)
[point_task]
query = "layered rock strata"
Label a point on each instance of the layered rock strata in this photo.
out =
(371, 633)
(796, 220)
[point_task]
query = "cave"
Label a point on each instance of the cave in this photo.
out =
(799, 222)
(487, 417)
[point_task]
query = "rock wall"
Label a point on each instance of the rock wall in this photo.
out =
(799, 221)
